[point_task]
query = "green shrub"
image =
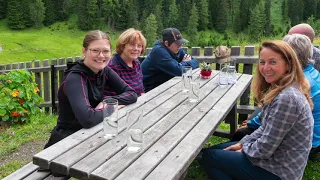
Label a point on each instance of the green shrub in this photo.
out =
(18, 96)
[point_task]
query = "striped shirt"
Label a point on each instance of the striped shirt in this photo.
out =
(131, 75)
(282, 143)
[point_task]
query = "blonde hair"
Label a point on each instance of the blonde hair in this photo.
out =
(264, 92)
(130, 36)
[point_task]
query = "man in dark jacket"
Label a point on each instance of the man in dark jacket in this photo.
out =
(166, 59)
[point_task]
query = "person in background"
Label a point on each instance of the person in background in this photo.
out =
(166, 59)
(307, 30)
(279, 148)
(80, 94)
(125, 62)
(303, 48)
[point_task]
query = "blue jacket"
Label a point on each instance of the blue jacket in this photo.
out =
(313, 77)
(161, 65)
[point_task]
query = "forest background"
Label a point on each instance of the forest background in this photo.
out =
(202, 22)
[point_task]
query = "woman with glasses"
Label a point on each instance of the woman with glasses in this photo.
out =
(125, 62)
(81, 91)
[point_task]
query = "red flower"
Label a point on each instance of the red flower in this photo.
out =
(21, 101)
(15, 114)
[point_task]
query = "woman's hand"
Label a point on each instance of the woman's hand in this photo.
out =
(236, 147)
(99, 106)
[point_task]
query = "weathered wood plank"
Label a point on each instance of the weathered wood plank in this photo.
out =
(22, 172)
(46, 82)
(184, 153)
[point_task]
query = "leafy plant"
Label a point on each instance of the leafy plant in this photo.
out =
(206, 66)
(18, 96)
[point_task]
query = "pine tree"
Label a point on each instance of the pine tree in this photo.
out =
(158, 14)
(15, 16)
(25, 8)
(37, 12)
(185, 7)
(220, 21)
(132, 15)
(244, 14)
(173, 14)
(268, 17)
(59, 6)
(295, 11)
(150, 29)
(203, 14)
(193, 24)
(310, 8)
(3, 8)
(83, 21)
(50, 15)
(257, 21)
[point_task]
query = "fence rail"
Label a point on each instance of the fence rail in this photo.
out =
(49, 74)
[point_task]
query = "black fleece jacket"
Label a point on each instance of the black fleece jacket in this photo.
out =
(82, 90)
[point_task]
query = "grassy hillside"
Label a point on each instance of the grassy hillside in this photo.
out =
(51, 42)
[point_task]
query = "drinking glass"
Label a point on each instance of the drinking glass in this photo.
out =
(194, 88)
(223, 79)
(110, 118)
(232, 72)
(134, 129)
(186, 73)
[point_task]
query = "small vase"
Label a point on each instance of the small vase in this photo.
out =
(205, 74)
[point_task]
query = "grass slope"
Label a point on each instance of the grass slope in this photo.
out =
(56, 41)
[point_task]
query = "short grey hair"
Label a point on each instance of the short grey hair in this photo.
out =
(302, 45)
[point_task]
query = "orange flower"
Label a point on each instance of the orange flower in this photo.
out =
(15, 114)
(15, 93)
(36, 90)
(21, 101)
(25, 111)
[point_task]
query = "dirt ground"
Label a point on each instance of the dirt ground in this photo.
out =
(24, 152)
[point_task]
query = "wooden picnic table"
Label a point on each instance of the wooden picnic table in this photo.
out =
(174, 132)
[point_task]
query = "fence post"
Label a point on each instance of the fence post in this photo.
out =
(53, 89)
(185, 49)
(235, 51)
(46, 83)
(195, 51)
(148, 50)
(28, 64)
(15, 66)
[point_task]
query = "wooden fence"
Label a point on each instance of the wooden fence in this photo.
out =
(49, 74)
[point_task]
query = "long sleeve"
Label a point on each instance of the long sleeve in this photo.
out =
(125, 94)
(254, 123)
(167, 64)
(76, 90)
(281, 118)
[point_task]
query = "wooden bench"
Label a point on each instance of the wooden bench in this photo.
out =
(31, 171)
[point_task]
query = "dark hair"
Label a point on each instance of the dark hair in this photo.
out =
(94, 35)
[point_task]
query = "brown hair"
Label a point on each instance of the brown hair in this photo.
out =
(94, 35)
(264, 92)
(130, 36)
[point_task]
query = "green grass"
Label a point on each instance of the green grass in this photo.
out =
(36, 130)
(56, 41)
(23, 133)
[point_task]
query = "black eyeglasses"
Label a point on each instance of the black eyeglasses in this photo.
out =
(96, 52)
